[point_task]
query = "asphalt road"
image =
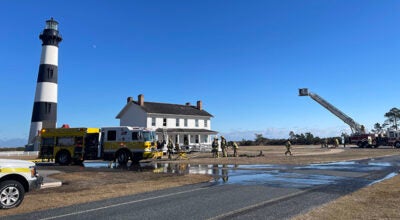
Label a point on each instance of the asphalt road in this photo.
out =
(238, 192)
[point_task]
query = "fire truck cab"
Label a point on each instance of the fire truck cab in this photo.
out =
(128, 143)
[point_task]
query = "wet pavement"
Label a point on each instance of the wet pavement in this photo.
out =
(274, 175)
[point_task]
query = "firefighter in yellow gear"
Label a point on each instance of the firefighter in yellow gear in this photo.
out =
(235, 148)
(170, 148)
(288, 147)
(214, 146)
(224, 147)
(336, 143)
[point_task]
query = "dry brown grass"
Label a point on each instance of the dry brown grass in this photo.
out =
(379, 201)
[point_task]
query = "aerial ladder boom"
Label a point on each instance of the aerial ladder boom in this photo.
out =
(355, 127)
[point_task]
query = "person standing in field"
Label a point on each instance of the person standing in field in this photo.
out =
(336, 143)
(224, 147)
(214, 146)
(170, 148)
(288, 147)
(235, 149)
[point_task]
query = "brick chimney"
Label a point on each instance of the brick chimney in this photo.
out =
(199, 105)
(141, 99)
(187, 103)
(129, 99)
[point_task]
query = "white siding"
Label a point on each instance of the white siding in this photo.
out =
(134, 116)
(208, 124)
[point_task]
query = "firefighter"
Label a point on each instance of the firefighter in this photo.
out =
(326, 143)
(170, 148)
(336, 143)
(288, 146)
(215, 148)
(235, 148)
(224, 147)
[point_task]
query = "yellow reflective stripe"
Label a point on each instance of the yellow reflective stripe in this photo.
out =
(130, 145)
(15, 170)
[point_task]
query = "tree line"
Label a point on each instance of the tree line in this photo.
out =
(301, 139)
(391, 122)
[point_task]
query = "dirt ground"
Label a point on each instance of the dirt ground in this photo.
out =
(82, 185)
(302, 154)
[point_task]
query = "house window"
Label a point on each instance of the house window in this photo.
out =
(186, 122)
(197, 139)
(177, 122)
(205, 123)
(153, 121)
(164, 122)
(205, 138)
(197, 123)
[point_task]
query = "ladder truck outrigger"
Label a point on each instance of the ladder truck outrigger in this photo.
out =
(358, 136)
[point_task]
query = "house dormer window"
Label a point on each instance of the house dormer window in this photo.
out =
(197, 122)
(177, 122)
(186, 122)
(153, 121)
(205, 123)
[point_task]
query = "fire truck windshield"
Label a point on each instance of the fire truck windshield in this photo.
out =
(148, 135)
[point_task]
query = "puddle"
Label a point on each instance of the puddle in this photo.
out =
(262, 174)
(96, 164)
(384, 164)
(251, 175)
(113, 165)
(358, 166)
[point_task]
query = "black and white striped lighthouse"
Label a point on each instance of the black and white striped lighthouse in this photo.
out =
(44, 113)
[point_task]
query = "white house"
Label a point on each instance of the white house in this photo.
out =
(187, 125)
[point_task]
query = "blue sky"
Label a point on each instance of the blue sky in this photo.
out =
(244, 59)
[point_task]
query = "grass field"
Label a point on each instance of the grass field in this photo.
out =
(82, 185)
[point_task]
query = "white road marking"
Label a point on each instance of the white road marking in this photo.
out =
(259, 204)
(121, 204)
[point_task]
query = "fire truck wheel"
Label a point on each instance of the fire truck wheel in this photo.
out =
(63, 157)
(11, 194)
(122, 157)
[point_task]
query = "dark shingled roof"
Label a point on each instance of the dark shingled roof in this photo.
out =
(164, 108)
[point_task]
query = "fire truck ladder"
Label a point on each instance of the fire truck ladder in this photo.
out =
(355, 127)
